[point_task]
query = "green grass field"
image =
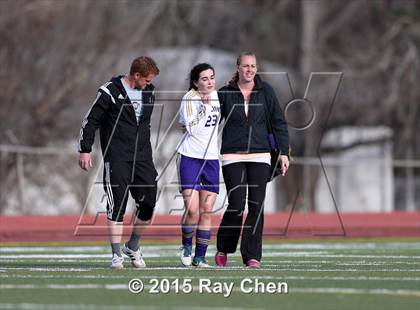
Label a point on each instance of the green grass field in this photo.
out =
(318, 274)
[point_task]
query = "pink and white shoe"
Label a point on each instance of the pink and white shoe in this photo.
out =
(220, 259)
(253, 263)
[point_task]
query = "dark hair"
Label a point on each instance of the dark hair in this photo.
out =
(195, 73)
(235, 76)
(144, 65)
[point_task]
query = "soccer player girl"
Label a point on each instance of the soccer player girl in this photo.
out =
(198, 162)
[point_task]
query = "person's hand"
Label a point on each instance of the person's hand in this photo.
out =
(85, 161)
(284, 164)
(206, 99)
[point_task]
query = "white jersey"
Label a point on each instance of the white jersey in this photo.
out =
(136, 98)
(201, 122)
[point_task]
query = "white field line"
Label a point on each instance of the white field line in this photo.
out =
(52, 256)
(163, 261)
(210, 269)
(124, 286)
(276, 267)
(65, 249)
(337, 290)
(259, 277)
(265, 262)
(355, 263)
(313, 254)
(73, 256)
(54, 269)
(102, 261)
(172, 254)
(376, 263)
(344, 246)
(28, 306)
(80, 249)
(161, 254)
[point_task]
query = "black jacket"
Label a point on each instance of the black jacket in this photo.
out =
(112, 112)
(242, 134)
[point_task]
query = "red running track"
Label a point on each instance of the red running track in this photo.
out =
(277, 225)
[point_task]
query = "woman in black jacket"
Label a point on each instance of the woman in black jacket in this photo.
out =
(245, 151)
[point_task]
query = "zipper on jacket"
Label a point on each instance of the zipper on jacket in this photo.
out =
(135, 152)
(137, 138)
(135, 145)
(243, 109)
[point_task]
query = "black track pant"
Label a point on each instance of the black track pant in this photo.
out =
(240, 177)
(138, 178)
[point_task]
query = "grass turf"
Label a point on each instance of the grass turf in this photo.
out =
(338, 274)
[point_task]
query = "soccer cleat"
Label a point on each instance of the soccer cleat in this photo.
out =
(253, 263)
(135, 256)
(200, 262)
(220, 259)
(117, 262)
(185, 255)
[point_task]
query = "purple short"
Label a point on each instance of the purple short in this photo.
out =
(199, 174)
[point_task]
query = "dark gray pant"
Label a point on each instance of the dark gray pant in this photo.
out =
(238, 178)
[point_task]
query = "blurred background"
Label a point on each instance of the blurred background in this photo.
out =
(361, 153)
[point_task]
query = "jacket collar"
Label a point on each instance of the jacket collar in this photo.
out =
(117, 82)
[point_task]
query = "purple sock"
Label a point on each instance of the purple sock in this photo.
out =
(202, 242)
(187, 234)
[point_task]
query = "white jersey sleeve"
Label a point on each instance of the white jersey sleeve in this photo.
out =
(192, 113)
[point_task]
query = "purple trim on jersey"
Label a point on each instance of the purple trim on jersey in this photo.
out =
(199, 174)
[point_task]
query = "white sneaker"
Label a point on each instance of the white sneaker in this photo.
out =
(135, 256)
(185, 255)
(200, 262)
(117, 262)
